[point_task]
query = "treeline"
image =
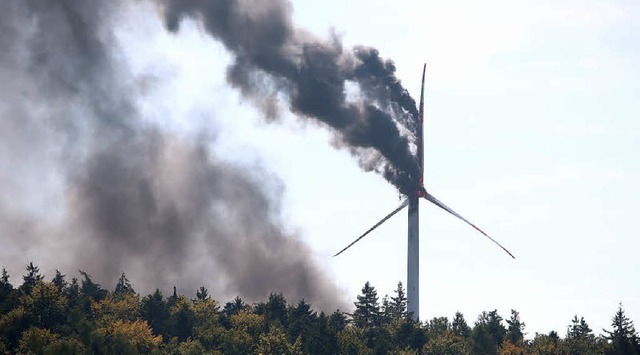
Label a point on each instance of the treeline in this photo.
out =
(74, 316)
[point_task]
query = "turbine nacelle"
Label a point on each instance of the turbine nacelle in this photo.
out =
(421, 192)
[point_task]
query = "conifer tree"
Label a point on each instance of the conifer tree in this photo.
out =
(301, 319)
(171, 300)
(123, 286)
(202, 294)
(337, 321)
(488, 333)
(623, 337)
(579, 329)
(59, 280)
(367, 311)
(6, 292)
(385, 310)
(275, 310)
(155, 311)
(91, 289)
(399, 303)
(459, 326)
(515, 328)
(32, 277)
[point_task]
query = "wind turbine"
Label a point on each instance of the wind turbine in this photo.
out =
(413, 257)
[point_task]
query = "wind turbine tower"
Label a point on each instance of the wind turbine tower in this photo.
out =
(413, 244)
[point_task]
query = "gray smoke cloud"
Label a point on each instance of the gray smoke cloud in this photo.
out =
(275, 60)
(134, 196)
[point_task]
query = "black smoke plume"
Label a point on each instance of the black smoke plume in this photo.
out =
(274, 59)
(130, 194)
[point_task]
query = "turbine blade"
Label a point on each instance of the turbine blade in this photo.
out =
(436, 202)
(403, 205)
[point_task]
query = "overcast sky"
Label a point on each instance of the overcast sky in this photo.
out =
(532, 132)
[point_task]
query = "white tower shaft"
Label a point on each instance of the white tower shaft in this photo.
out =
(413, 243)
(413, 260)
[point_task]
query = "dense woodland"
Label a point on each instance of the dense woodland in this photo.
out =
(74, 316)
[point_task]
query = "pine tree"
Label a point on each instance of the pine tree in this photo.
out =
(301, 319)
(623, 338)
(385, 310)
(7, 296)
(488, 333)
(367, 311)
(515, 328)
(5, 285)
(231, 308)
(91, 289)
(275, 310)
(32, 277)
(202, 294)
(123, 286)
(580, 339)
(155, 311)
(59, 280)
(171, 300)
(437, 326)
(459, 326)
(337, 321)
(579, 329)
(495, 327)
(398, 303)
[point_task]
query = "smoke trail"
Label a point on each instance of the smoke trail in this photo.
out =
(131, 195)
(275, 59)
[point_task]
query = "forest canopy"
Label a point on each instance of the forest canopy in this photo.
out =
(77, 316)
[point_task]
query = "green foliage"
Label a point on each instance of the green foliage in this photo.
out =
(44, 306)
(207, 328)
(459, 326)
(275, 310)
(398, 305)
(12, 325)
(32, 277)
(59, 281)
(7, 293)
(488, 333)
(623, 337)
(91, 289)
(202, 294)
(436, 327)
(155, 311)
(36, 340)
(301, 324)
(246, 328)
(351, 340)
(61, 317)
(123, 287)
(66, 345)
(367, 311)
(515, 329)
(275, 342)
(187, 347)
(580, 339)
(181, 318)
(447, 343)
(126, 336)
(544, 344)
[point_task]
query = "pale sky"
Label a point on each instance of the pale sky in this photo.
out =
(532, 132)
